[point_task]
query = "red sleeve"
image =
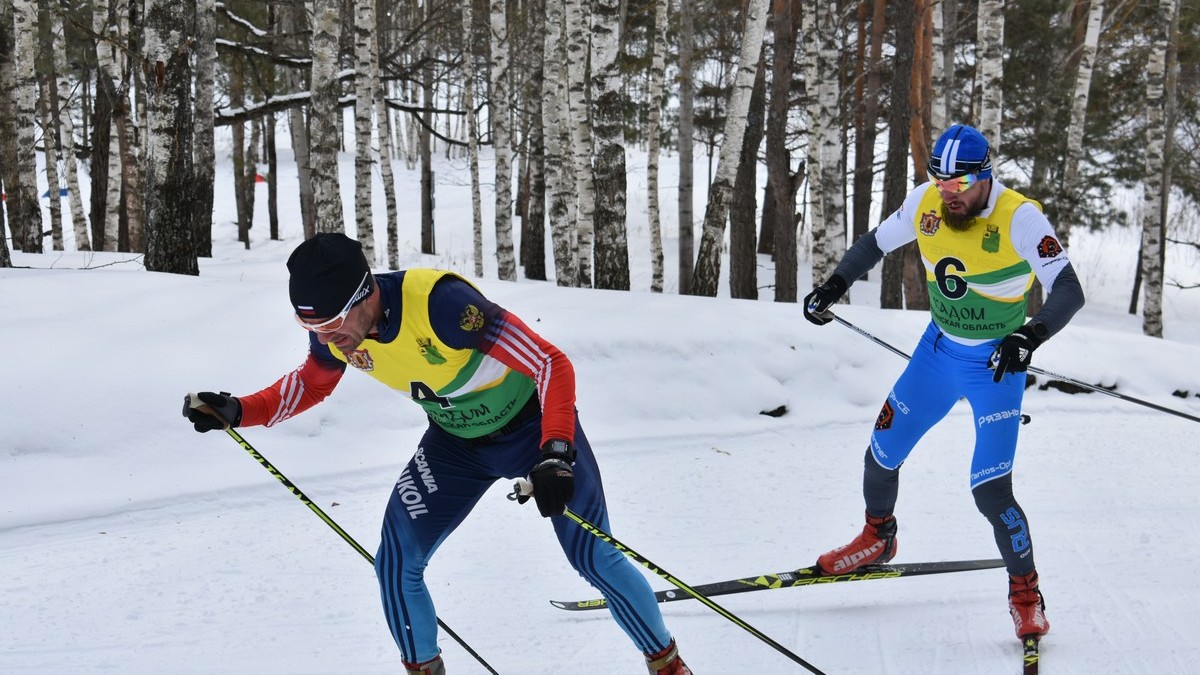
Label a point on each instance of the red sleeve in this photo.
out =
(292, 394)
(515, 345)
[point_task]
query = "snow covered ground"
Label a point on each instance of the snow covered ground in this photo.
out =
(130, 544)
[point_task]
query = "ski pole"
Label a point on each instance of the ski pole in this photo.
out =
(191, 401)
(1032, 369)
(523, 488)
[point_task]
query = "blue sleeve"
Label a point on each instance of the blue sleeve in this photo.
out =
(460, 314)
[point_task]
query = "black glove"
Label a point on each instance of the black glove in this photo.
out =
(228, 407)
(1015, 351)
(552, 478)
(822, 298)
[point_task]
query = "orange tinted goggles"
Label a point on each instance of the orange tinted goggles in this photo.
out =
(957, 184)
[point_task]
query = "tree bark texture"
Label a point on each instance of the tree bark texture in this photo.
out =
(171, 189)
(708, 261)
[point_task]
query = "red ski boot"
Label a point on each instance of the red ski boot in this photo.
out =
(1027, 606)
(433, 666)
(667, 662)
(876, 544)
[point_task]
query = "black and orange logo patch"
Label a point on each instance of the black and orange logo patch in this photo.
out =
(930, 222)
(1049, 247)
(886, 416)
(361, 359)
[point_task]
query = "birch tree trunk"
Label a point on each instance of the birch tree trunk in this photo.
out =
(533, 220)
(66, 128)
(468, 23)
(384, 116)
(8, 132)
(708, 261)
(687, 96)
(559, 174)
(826, 183)
(658, 41)
(578, 24)
(424, 144)
(612, 246)
(324, 142)
(990, 56)
(389, 180)
(170, 189)
(499, 112)
(106, 150)
(1079, 102)
(1153, 205)
(28, 212)
(206, 159)
(743, 213)
(938, 64)
(51, 153)
(948, 10)
(364, 86)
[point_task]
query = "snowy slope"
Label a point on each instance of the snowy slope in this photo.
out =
(130, 544)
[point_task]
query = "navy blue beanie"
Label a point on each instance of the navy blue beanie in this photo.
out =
(326, 272)
(958, 151)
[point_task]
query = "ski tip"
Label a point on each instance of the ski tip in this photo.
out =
(598, 603)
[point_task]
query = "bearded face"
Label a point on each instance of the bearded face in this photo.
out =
(959, 209)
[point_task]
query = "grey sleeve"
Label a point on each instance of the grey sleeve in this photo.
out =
(864, 255)
(1062, 302)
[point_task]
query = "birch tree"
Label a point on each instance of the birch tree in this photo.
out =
(611, 245)
(1079, 103)
(51, 153)
(990, 67)
(1153, 205)
(743, 202)
(364, 86)
(560, 183)
(389, 180)
(66, 132)
(578, 23)
(533, 222)
(687, 96)
(8, 132)
(468, 24)
(323, 127)
(170, 189)
(27, 218)
(825, 179)
(653, 133)
(716, 213)
(205, 150)
(498, 112)
(941, 60)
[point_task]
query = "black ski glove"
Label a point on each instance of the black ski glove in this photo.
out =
(822, 298)
(199, 409)
(1015, 351)
(552, 478)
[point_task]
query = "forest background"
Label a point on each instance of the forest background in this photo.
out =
(837, 102)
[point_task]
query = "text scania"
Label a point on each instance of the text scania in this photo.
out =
(406, 486)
